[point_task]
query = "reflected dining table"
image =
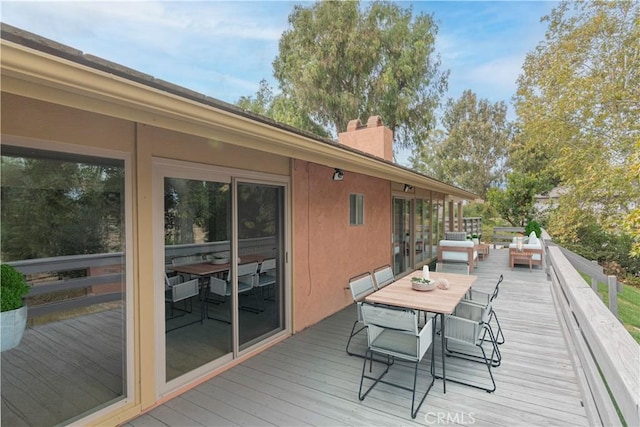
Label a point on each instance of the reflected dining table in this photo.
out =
(209, 268)
(438, 301)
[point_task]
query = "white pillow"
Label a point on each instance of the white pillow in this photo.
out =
(533, 239)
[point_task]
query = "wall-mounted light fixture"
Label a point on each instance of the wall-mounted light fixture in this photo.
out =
(338, 175)
(408, 188)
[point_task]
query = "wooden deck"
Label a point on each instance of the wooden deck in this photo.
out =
(309, 379)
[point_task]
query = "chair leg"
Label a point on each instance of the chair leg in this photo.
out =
(495, 362)
(353, 334)
(369, 359)
(487, 361)
(499, 334)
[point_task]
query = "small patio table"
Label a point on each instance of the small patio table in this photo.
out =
(439, 301)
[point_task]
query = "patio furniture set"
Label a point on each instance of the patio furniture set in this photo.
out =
(403, 317)
(209, 280)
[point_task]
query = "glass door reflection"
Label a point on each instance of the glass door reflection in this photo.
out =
(197, 246)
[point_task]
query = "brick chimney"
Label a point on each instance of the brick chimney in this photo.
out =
(373, 138)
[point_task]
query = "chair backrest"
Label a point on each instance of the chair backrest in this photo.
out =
(452, 267)
(268, 265)
(185, 290)
(219, 286)
(247, 269)
(383, 276)
(170, 282)
(183, 260)
(496, 289)
(398, 319)
(361, 286)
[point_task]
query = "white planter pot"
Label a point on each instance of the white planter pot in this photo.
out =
(12, 325)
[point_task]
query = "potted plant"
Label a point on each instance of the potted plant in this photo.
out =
(13, 311)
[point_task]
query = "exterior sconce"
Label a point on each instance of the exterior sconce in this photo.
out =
(338, 175)
(408, 188)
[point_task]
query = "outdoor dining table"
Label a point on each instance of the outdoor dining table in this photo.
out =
(210, 269)
(439, 301)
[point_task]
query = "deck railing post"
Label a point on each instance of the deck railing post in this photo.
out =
(594, 281)
(613, 295)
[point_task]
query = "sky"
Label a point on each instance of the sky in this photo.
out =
(224, 48)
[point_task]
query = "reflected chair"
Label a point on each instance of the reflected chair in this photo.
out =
(485, 300)
(184, 291)
(184, 260)
(266, 278)
(361, 286)
(383, 276)
(247, 279)
(467, 335)
(394, 333)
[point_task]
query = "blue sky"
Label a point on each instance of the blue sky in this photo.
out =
(224, 48)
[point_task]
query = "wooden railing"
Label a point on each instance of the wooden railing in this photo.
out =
(502, 235)
(472, 225)
(607, 355)
(103, 274)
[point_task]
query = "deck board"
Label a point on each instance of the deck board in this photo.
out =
(308, 379)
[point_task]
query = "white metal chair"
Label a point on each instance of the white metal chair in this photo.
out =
(247, 279)
(185, 260)
(469, 333)
(184, 291)
(485, 300)
(383, 276)
(395, 333)
(266, 278)
(360, 286)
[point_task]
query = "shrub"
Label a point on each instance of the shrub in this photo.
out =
(13, 288)
(532, 226)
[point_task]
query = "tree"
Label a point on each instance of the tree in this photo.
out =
(339, 62)
(281, 108)
(578, 103)
(471, 151)
(515, 203)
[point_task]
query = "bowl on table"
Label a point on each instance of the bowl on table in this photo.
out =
(420, 284)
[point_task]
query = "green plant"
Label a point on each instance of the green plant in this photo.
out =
(13, 288)
(532, 226)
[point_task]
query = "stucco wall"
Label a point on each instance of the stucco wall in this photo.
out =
(327, 250)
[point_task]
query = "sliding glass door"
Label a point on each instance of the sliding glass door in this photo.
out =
(222, 265)
(401, 235)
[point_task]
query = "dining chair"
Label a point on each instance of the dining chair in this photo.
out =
(266, 278)
(466, 334)
(185, 260)
(247, 280)
(184, 291)
(395, 333)
(383, 276)
(485, 300)
(361, 286)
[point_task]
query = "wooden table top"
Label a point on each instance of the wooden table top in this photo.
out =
(208, 268)
(401, 294)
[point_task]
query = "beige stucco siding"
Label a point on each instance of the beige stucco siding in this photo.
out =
(327, 250)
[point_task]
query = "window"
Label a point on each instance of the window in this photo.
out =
(63, 222)
(356, 209)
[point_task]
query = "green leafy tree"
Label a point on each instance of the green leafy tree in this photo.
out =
(471, 151)
(515, 203)
(339, 61)
(578, 103)
(281, 108)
